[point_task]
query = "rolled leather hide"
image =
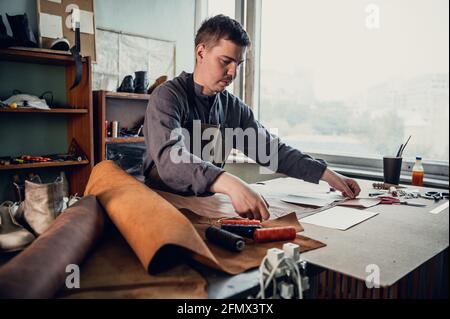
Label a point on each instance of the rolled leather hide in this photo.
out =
(40, 270)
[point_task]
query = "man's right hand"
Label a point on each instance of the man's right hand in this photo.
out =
(246, 202)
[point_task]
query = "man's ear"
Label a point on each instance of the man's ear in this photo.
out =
(200, 52)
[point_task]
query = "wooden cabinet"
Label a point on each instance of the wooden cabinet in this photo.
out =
(77, 113)
(128, 109)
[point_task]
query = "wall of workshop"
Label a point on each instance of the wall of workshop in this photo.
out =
(172, 20)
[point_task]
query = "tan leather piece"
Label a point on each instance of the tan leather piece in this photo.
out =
(148, 222)
(114, 271)
(145, 219)
(40, 270)
(253, 253)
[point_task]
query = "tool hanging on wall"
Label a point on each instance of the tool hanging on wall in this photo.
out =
(75, 50)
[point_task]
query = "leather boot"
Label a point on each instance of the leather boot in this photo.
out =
(13, 237)
(5, 40)
(127, 85)
(140, 82)
(2, 26)
(157, 83)
(21, 30)
(43, 203)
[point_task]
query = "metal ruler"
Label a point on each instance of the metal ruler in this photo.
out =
(321, 209)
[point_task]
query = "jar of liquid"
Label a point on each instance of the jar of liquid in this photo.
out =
(418, 172)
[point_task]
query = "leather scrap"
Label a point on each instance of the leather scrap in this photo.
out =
(160, 234)
(113, 271)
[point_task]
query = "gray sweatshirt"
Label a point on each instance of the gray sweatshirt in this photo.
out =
(169, 108)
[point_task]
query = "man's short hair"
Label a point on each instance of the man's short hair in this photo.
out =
(221, 27)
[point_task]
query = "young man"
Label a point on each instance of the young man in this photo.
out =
(220, 47)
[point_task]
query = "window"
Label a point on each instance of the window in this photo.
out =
(356, 78)
(225, 7)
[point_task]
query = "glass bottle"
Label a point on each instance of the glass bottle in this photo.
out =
(417, 172)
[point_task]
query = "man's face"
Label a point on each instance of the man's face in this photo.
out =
(217, 66)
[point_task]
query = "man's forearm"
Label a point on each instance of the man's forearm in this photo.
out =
(223, 183)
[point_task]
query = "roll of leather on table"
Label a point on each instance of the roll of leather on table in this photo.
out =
(40, 270)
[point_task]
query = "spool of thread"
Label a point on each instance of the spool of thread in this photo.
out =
(240, 222)
(264, 235)
(241, 230)
(225, 239)
(115, 129)
(106, 128)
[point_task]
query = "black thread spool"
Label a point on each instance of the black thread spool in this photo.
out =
(225, 239)
(241, 230)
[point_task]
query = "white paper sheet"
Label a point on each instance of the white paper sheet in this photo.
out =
(318, 200)
(86, 22)
(55, 1)
(440, 208)
(338, 217)
(50, 26)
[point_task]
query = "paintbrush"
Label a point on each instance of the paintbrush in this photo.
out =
(401, 152)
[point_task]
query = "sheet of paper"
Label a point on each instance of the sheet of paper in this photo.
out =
(86, 22)
(440, 208)
(55, 1)
(341, 218)
(318, 200)
(50, 26)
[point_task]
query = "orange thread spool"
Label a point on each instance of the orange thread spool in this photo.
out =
(264, 235)
(240, 222)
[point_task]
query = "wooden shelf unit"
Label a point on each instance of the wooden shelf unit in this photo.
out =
(36, 55)
(122, 140)
(79, 127)
(42, 165)
(126, 108)
(52, 111)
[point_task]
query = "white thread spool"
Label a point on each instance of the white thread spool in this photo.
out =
(115, 129)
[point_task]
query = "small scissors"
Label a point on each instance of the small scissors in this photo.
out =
(388, 200)
(436, 195)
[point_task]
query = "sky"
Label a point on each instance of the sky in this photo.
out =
(331, 39)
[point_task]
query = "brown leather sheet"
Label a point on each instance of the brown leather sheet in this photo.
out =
(113, 271)
(40, 270)
(156, 230)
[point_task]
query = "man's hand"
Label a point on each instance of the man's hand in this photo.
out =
(246, 202)
(347, 186)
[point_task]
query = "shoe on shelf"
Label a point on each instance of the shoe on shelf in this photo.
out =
(127, 85)
(13, 237)
(43, 203)
(69, 201)
(141, 82)
(157, 83)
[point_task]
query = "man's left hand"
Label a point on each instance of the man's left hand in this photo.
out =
(349, 187)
